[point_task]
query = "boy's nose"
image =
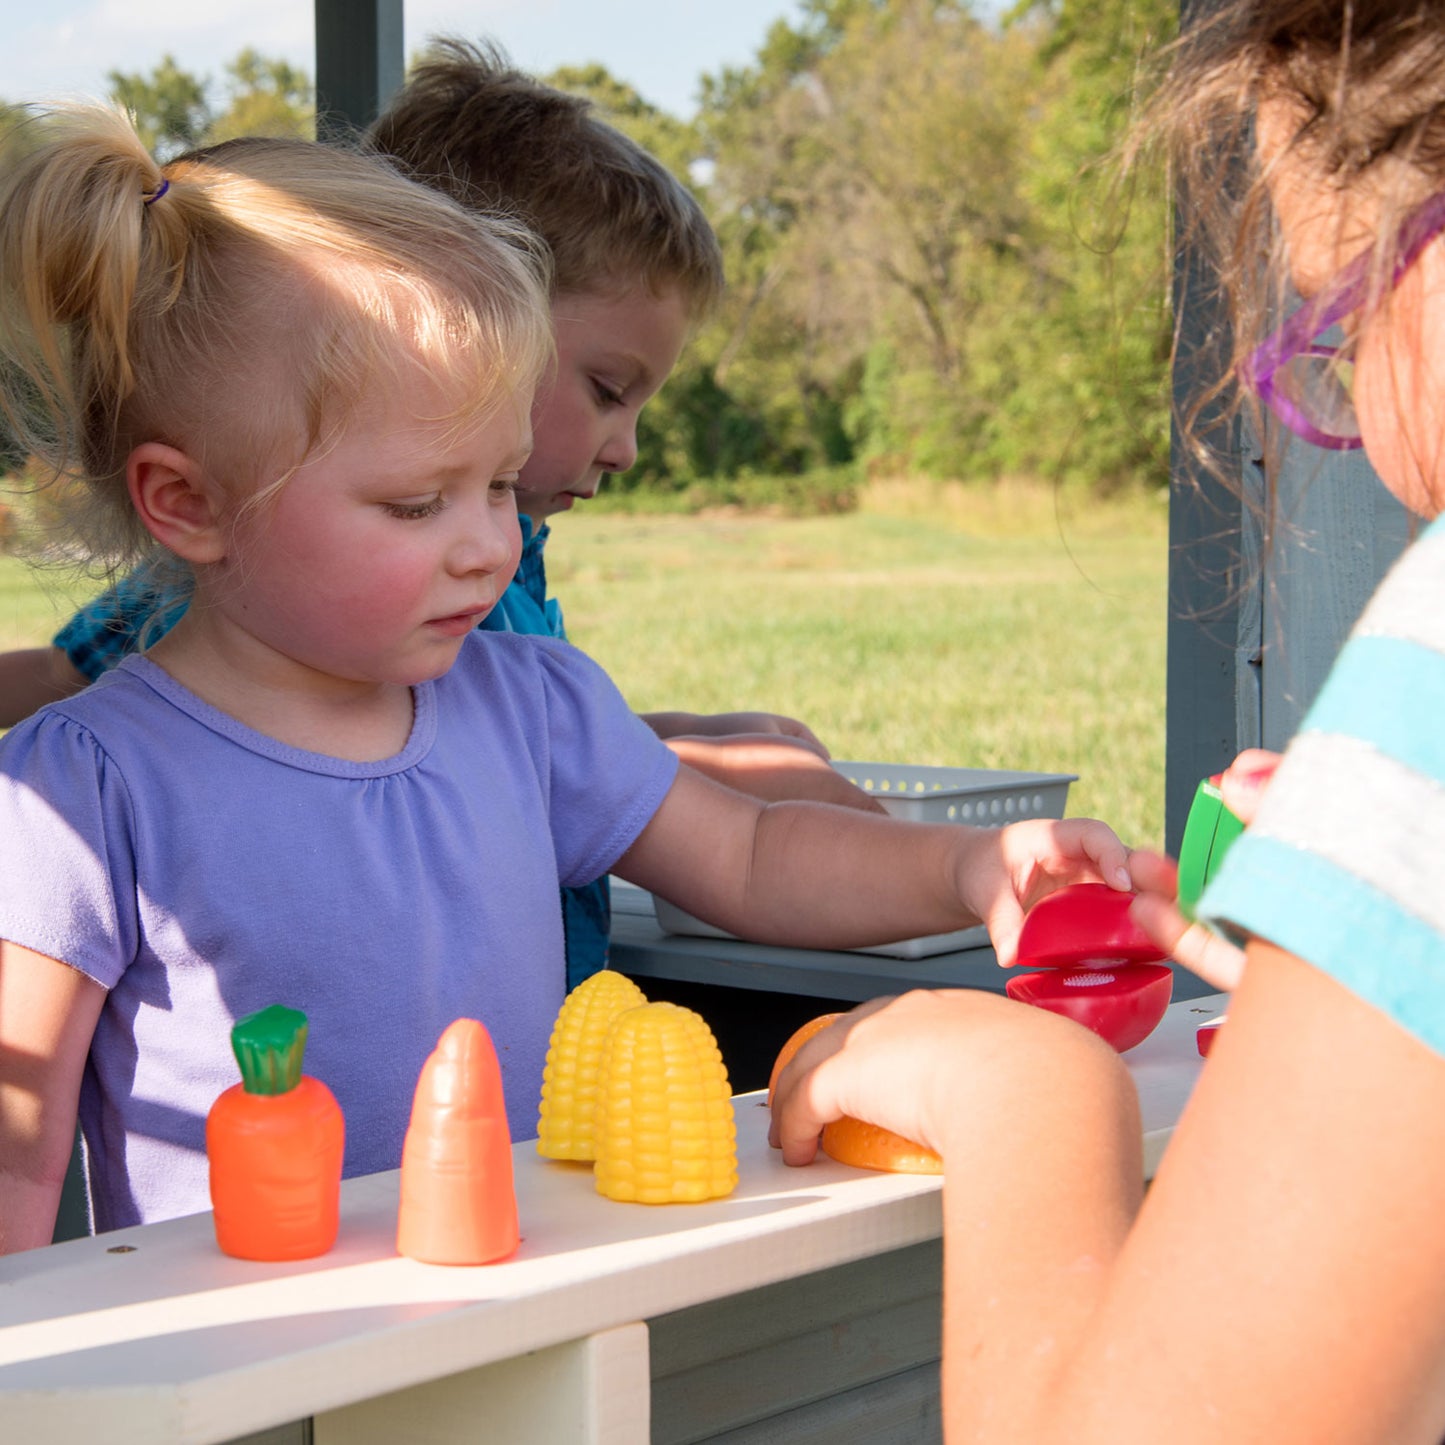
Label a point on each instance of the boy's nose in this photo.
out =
(620, 451)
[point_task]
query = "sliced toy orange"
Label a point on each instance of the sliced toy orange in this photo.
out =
(850, 1140)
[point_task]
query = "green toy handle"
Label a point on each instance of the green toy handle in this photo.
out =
(1208, 833)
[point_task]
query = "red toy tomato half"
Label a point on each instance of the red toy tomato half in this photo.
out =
(1204, 1036)
(1084, 923)
(1121, 1003)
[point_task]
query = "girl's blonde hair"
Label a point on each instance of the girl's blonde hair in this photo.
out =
(237, 303)
(1367, 80)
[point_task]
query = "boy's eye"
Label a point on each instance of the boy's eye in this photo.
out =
(414, 511)
(607, 394)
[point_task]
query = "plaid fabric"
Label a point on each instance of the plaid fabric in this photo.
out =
(136, 610)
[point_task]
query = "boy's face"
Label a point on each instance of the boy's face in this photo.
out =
(614, 350)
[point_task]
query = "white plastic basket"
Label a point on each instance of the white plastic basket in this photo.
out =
(983, 797)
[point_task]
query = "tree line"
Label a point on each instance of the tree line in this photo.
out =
(933, 269)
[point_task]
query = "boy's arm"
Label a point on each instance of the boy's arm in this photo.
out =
(668, 725)
(763, 754)
(771, 767)
(33, 676)
(809, 875)
(48, 1013)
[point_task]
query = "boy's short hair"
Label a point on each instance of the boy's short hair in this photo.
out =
(496, 139)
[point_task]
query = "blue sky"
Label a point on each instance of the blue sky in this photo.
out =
(54, 48)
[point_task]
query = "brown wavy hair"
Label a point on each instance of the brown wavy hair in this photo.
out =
(1367, 79)
(497, 139)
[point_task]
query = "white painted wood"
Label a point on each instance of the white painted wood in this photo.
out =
(593, 1391)
(171, 1341)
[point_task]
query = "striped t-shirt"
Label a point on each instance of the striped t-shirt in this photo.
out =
(1344, 865)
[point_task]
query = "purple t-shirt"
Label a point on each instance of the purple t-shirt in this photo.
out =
(201, 871)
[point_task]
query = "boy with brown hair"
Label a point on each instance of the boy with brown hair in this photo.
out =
(635, 265)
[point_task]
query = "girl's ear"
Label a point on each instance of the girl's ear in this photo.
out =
(176, 501)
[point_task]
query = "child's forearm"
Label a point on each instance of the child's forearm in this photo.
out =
(810, 875)
(1043, 1183)
(48, 1013)
(27, 1212)
(831, 880)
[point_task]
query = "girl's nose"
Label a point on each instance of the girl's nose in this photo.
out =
(487, 543)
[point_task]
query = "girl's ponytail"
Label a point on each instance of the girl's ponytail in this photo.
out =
(91, 234)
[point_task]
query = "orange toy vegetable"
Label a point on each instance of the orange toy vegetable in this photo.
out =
(458, 1202)
(275, 1142)
(850, 1140)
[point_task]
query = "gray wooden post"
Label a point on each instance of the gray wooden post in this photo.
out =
(359, 63)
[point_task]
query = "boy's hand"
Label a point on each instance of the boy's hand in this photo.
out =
(1001, 873)
(1156, 910)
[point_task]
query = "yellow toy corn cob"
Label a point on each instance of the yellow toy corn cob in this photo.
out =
(665, 1132)
(569, 1081)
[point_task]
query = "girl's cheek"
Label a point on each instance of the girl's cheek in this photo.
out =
(1400, 400)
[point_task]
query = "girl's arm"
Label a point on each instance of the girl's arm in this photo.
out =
(1285, 1277)
(807, 874)
(48, 1013)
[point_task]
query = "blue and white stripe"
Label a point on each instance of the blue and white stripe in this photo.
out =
(1345, 864)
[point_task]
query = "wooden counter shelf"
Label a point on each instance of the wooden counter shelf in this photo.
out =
(808, 1296)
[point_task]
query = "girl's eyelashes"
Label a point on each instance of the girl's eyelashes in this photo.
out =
(607, 394)
(414, 511)
(505, 484)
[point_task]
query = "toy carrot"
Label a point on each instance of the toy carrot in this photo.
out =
(458, 1202)
(275, 1142)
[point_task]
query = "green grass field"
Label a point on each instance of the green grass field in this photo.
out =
(946, 630)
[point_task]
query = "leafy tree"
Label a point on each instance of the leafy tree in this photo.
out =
(169, 106)
(918, 272)
(266, 97)
(173, 109)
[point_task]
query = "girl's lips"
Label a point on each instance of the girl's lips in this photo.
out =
(459, 623)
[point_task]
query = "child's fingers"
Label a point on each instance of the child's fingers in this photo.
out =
(1153, 872)
(803, 1097)
(1198, 948)
(1245, 780)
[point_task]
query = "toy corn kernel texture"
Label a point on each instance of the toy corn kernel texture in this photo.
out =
(569, 1081)
(665, 1131)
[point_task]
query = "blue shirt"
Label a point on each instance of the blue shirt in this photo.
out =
(1343, 864)
(140, 609)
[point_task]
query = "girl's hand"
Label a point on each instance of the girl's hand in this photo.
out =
(924, 1064)
(884, 1063)
(1156, 910)
(1003, 872)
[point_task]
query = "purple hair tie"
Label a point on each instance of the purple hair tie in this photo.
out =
(159, 191)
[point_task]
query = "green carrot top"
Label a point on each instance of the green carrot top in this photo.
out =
(269, 1047)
